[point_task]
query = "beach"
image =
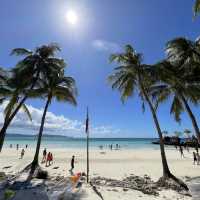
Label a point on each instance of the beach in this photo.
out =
(108, 163)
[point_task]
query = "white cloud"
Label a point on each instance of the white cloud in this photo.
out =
(54, 124)
(103, 45)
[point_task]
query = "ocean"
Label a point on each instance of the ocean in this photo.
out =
(54, 141)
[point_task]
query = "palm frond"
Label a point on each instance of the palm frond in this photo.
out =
(176, 108)
(196, 8)
(38, 92)
(26, 110)
(64, 94)
(21, 52)
(48, 50)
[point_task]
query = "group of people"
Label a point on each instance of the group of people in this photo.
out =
(47, 158)
(17, 146)
(196, 156)
(22, 151)
(111, 146)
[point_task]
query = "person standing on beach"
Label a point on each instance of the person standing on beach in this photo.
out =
(48, 159)
(17, 146)
(22, 153)
(194, 158)
(26, 146)
(181, 151)
(72, 163)
(51, 158)
(44, 155)
(198, 158)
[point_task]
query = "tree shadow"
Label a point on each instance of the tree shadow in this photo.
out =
(96, 191)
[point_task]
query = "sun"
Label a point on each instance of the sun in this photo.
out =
(71, 17)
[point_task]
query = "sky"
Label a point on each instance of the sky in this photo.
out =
(102, 28)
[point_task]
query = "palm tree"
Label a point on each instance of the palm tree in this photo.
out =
(196, 7)
(57, 86)
(36, 64)
(131, 76)
(185, 52)
(183, 59)
(182, 90)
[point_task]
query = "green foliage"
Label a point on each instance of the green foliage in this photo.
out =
(128, 76)
(196, 7)
(59, 87)
(26, 74)
(2, 176)
(178, 77)
(20, 52)
(25, 109)
(27, 80)
(8, 194)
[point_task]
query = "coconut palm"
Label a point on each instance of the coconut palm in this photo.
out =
(132, 76)
(181, 73)
(184, 53)
(35, 64)
(57, 86)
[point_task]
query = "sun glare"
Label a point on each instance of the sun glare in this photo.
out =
(72, 17)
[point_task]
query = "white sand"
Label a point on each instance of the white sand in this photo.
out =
(113, 164)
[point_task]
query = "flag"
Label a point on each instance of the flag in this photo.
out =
(87, 123)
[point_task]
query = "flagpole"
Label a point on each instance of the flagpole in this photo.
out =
(87, 133)
(87, 158)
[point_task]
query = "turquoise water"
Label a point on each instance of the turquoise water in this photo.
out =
(66, 142)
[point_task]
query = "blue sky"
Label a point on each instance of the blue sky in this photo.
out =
(103, 27)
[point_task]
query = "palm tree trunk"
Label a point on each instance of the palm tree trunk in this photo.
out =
(192, 117)
(166, 171)
(35, 160)
(8, 119)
